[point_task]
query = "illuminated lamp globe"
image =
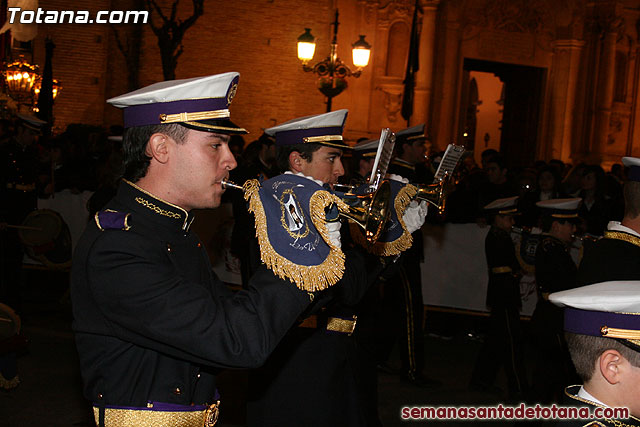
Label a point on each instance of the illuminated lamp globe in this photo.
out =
(361, 52)
(306, 46)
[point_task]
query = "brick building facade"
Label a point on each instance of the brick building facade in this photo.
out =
(580, 58)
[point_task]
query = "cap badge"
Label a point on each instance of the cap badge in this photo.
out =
(232, 93)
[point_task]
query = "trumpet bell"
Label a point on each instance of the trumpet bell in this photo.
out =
(434, 194)
(370, 210)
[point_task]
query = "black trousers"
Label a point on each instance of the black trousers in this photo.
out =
(503, 347)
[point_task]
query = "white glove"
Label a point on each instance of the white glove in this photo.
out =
(334, 233)
(414, 215)
(398, 178)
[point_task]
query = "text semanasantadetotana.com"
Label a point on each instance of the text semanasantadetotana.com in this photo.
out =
(521, 412)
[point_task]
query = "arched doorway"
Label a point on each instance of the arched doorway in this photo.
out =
(519, 100)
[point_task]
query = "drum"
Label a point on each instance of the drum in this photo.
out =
(46, 238)
(9, 322)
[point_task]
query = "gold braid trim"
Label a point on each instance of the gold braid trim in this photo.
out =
(308, 278)
(116, 417)
(402, 243)
(9, 384)
(617, 423)
(625, 334)
(622, 236)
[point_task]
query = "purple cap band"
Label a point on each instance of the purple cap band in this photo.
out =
(587, 322)
(149, 114)
(292, 137)
(634, 173)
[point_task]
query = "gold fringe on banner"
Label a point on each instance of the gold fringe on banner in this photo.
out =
(309, 278)
(402, 243)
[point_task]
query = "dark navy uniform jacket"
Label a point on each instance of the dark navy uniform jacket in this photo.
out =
(571, 398)
(555, 272)
(153, 322)
(615, 257)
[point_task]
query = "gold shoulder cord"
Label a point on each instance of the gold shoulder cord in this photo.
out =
(616, 423)
(625, 237)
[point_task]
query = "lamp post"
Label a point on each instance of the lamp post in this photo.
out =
(332, 71)
(57, 87)
(20, 78)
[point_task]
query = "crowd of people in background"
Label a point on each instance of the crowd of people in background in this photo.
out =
(476, 186)
(89, 158)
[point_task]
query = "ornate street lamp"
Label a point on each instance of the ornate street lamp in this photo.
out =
(332, 71)
(20, 78)
(57, 87)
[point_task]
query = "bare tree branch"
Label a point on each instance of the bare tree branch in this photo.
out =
(151, 5)
(171, 32)
(118, 42)
(174, 10)
(198, 10)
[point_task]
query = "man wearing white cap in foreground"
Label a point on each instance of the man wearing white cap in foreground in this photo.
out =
(615, 257)
(602, 327)
(153, 324)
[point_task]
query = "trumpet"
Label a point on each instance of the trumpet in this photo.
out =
(370, 211)
(586, 238)
(434, 194)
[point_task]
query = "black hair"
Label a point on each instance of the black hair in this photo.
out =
(283, 151)
(585, 351)
(557, 188)
(600, 176)
(498, 159)
(631, 192)
(548, 220)
(134, 146)
(489, 152)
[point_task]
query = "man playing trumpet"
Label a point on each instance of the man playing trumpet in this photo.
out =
(153, 324)
(313, 376)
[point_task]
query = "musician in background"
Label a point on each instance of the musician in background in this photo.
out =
(555, 271)
(308, 380)
(362, 159)
(403, 293)
(18, 197)
(313, 376)
(615, 257)
(503, 346)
